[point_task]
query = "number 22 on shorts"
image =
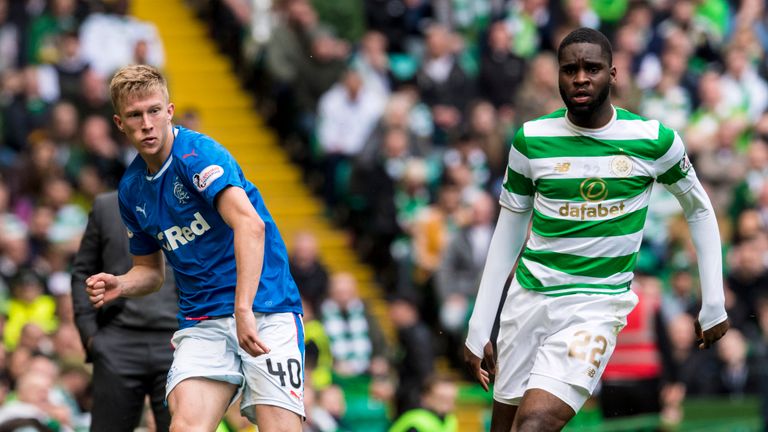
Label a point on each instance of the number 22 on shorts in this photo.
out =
(579, 348)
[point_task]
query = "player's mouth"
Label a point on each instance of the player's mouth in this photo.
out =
(149, 140)
(581, 97)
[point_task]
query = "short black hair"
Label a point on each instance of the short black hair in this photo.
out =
(587, 35)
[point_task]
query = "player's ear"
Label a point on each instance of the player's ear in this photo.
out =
(612, 71)
(118, 122)
(171, 109)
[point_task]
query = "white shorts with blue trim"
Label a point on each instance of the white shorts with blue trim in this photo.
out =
(210, 350)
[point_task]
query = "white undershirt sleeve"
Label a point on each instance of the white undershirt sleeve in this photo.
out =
(508, 239)
(706, 238)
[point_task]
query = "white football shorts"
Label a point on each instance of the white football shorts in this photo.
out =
(557, 344)
(210, 350)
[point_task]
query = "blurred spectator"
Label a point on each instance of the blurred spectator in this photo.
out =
(722, 166)
(680, 297)
(372, 63)
(70, 65)
(307, 269)
(93, 98)
(742, 84)
(29, 304)
(442, 83)
(501, 71)
(438, 402)
(347, 114)
(32, 402)
(287, 49)
(416, 353)
(715, 109)
(625, 93)
(403, 111)
(525, 19)
(100, 150)
(344, 18)
(46, 29)
(356, 339)
(401, 21)
(748, 274)
(322, 69)
(701, 33)
(10, 40)
(327, 411)
(466, 165)
(738, 372)
(695, 370)
(539, 93)
(433, 229)
(109, 39)
(669, 99)
(490, 129)
(318, 362)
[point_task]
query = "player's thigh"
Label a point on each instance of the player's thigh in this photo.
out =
(542, 411)
(275, 379)
(523, 329)
(207, 350)
(199, 403)
(277, 419)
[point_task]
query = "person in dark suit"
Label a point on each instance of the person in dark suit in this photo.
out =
(129, 340)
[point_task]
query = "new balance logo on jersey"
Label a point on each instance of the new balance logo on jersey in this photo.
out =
(176, 236)
(587, 211)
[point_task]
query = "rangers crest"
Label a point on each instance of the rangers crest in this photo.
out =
(180, 192)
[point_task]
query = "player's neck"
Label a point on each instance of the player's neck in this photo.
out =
(156, 161)
(595, 119)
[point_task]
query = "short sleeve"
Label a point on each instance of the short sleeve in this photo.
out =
(674, 169)
(212, 171)
(139, 242)
(518, 189)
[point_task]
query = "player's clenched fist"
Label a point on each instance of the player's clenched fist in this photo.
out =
(102, 288)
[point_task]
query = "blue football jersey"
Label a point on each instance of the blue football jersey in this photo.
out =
(174, 210)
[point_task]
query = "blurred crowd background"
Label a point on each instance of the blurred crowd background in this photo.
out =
(400, 114)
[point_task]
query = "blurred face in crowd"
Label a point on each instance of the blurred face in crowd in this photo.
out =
(343, 289)
(65, 121)
(438, 41)
(498, 37)
(304, 248)
(442, 398)
(585, 78)
(146, 120)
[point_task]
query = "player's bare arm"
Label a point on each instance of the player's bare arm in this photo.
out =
(145, 277)
(238, 212)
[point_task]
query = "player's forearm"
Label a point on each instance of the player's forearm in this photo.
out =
(249, 256)
(141, 280)
(706, 239)
(508, 239)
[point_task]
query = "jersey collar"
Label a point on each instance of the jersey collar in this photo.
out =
(600, 129)
(167, 161)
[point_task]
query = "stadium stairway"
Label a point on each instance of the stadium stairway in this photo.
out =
(201, 78)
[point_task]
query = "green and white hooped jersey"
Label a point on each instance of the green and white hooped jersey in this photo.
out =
(589, 189)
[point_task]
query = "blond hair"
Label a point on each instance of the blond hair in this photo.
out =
(136, 80)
